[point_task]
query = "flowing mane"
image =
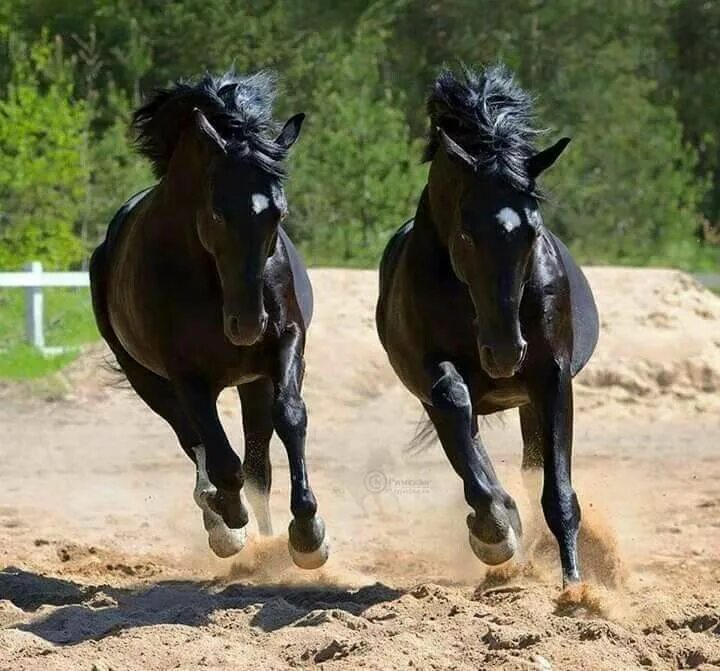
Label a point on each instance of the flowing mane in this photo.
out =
(489, 116)
(239, 107)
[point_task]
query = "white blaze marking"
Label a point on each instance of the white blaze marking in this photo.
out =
(509, 219)
(260, 202)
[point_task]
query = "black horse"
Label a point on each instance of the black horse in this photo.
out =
(482, 308)
(197, 288)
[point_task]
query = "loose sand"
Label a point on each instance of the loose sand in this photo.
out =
(105, 563)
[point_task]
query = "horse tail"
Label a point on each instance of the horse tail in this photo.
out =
(426, 437)
(115, 373)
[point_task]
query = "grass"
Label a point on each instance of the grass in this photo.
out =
(69, 323)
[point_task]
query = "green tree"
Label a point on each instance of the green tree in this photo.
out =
(356, 176)
(690, 80)
(42, 171)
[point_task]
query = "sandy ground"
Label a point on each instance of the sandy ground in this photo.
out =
(105, 563)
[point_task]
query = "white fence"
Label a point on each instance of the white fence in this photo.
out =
(33, 280)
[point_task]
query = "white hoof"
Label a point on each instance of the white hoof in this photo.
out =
(223, 541)
(495, 553)
(310, 560)
(226, 542)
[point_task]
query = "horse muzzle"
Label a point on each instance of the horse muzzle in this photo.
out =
(502, 361)
(243, 332)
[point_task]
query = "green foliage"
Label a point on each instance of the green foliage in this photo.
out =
(356, 175)
(42, 168)
(634, 83)
(116, 172)
(24, 362)
(68, 323)
(691, 80)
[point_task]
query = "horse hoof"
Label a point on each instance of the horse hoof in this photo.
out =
(495, 553)
(223, 541)
(308, 543)
(310, 560)
(226, 542)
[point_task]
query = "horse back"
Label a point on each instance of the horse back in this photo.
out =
(585, 318)
(392, 253)
(121, 216)
(388, 264)
(300, 278)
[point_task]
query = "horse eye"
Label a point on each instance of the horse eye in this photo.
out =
(466, 239)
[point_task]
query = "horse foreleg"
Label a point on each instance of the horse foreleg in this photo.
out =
(494, 525)
(219, 470)
(257, 402)
(550, 423)
(308, 545)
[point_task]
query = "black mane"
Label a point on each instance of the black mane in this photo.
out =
(239, 107)
(489, 116)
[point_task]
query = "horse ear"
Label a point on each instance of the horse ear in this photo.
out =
(454, 150)
(208, 132)
(544, 159)
(290, 132)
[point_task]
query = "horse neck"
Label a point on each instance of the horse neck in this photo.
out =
(181, 194)
(427, 246)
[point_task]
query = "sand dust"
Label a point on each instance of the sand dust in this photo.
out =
(105, 563)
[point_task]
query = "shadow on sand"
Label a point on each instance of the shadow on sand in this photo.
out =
(91, 612)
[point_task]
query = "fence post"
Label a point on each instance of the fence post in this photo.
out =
(34, 309)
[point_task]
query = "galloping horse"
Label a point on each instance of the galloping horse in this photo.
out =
(197, 288)
(482, 309)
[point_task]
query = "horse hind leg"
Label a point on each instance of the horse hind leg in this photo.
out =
(532, 456)
(257, 403)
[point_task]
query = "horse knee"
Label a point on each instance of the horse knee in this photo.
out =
(450, 391)
(290, 417)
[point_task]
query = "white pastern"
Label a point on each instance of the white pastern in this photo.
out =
(508, 218)
(203, 487)
(223, 540)
(260, 202)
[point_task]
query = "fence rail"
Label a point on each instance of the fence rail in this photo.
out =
(33, 279)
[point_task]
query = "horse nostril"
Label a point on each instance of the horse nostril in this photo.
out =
(486, 355)
(233, 325)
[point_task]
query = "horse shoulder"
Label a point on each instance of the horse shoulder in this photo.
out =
(299, 276)
(585, 318)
